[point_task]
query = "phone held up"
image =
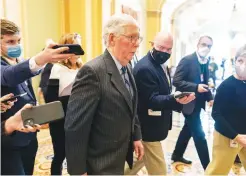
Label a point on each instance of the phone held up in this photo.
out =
(73, 49)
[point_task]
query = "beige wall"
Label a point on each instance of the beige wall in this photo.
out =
(43, 19)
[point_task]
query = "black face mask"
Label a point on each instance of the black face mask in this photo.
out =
(160, 57)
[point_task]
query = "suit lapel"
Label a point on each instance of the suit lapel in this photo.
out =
(197, 66)
(159, 69)
(30, 88)
(116, 79)
(169, 78)
(25, 87)
(163, 75)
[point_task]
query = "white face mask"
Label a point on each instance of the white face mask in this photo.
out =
(241, 70)
(203, 51)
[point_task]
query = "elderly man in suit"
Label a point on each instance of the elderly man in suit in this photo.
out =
(192, 75)
(101, 125)
(19, 149)
(156, 102)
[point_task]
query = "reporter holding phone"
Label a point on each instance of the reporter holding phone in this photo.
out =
(61, 79)
(229, 113)
(16, 74)
(192, 75)
(15, 123)
(155, 104)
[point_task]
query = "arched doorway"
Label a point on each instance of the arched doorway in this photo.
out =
(189, 19)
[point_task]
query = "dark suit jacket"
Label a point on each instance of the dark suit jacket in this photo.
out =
(101, 119)
(16, 79)
(154, 93)
(186, 79)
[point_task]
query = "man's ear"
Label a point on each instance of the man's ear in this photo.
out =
(111, 39)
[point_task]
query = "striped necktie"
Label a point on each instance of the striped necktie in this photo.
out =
(126, 81)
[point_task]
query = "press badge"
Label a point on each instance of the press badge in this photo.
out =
(154, 113)
(202, 78)
(233, 144)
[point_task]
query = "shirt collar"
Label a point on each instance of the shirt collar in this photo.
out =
(164, 66)
(10, 61)
(201, 60)
(117, 63)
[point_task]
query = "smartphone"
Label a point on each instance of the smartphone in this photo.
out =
(14, 98)
(73, 49)
(182, 94)
(42, 114)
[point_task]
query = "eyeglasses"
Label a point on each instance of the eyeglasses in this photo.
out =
(133, 39)
(206, 45)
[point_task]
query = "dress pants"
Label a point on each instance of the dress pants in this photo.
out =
(19, 160)
(193, 128)
(58, 140)
(153, 160)
(224, 156)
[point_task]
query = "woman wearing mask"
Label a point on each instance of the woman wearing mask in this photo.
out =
(229, 113)
(59, 87)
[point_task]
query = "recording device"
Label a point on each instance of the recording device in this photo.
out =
(73, 49)
(42, 114)
(14, 98)
(182, 94)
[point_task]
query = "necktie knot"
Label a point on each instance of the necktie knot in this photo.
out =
(123, 69)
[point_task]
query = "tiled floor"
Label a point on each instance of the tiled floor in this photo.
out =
(44, 156)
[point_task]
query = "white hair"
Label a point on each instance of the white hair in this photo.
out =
(116, 25)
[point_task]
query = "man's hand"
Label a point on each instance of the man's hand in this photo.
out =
(139, 149)
(15, 123)
(9, 104)
(50, 55)
(186, 99)
(241, 139)
(211, 103)
(202, 88)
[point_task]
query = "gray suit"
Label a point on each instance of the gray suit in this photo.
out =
(101, 120)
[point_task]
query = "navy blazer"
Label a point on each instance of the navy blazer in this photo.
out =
(186, 79)
(16, 79)
(154, 93)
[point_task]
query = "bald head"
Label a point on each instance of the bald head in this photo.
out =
(163, 42)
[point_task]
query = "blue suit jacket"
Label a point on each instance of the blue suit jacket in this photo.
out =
(154, 93)
(16, 79)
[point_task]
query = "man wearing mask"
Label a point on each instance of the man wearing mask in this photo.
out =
(18, 148)
(192, 75)
(156, 102)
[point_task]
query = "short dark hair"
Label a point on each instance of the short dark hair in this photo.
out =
(9, 27)
(207, 36)
(241, 51)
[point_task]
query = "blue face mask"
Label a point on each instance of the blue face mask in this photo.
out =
(14, 51)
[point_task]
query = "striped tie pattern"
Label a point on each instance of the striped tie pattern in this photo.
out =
(126, 81)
